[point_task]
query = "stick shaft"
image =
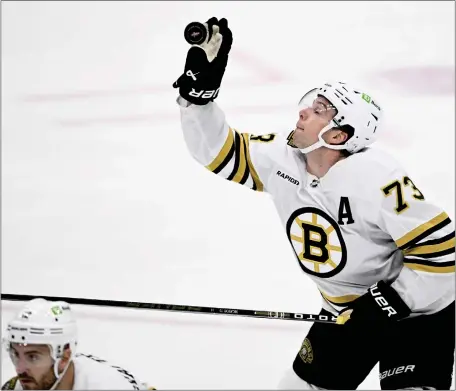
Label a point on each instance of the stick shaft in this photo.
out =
(179, 308)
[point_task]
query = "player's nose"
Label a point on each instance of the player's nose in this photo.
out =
(21, 367)
(303, 114)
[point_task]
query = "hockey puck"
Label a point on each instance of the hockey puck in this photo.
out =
(195, 33)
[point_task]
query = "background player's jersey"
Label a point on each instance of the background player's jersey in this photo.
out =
(93, 373)
(364, 221)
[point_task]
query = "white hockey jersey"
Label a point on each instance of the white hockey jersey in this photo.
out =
(93, 373)
(364, 221)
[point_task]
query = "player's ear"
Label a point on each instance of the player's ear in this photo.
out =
(348, 132)
(65, 358)
(337, 136)
(340, 136)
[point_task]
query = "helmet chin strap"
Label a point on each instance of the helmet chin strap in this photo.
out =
(312, 147)
(321, 142)
(56, 372)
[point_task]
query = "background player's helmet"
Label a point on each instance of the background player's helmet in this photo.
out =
(45, 323)
(356, 111)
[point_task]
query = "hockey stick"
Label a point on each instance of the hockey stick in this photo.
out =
(180, 308)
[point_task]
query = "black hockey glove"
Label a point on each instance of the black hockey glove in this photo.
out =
(205, 64)
(378, 307)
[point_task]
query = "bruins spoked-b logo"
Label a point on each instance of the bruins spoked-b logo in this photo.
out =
(317, 241)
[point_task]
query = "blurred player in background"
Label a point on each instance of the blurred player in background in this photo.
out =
(381, 255)
(41, 341)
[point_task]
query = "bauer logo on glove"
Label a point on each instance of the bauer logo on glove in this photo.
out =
(206, 61)
(379, 305)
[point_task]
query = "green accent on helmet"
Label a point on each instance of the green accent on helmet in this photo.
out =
(366, 97)
(57, 310)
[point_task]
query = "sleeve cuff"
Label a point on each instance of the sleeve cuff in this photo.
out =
(182, 102)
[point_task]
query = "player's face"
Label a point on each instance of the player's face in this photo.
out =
(312, 119)
(34, 366)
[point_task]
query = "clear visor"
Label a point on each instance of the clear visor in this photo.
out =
(26, 356)
(318, 105)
